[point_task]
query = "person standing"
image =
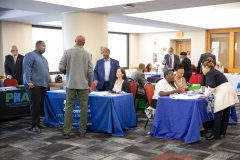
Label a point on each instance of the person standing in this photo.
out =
(77, 64)
(13, 65)
(170, 60)
(105, 71)
(203, 58)
(186, 62)
(36, 81)
(224, 97)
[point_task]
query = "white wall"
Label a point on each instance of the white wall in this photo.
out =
(143, 48)
(14, 33)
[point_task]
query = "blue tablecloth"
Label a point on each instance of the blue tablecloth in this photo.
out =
(181, 119)
(111, 114)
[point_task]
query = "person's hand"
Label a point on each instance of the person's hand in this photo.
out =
(95, 82)
(31, 85)
(9, 77)
(164, 60)
(180, 90)
(90, 89)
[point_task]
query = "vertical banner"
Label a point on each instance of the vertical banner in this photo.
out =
(154, 58)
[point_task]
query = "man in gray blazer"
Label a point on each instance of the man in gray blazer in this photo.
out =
(76, 63)
(202, 59)
(170, 60)
(139, 77)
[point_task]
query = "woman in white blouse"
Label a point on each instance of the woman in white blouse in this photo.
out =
(121, 83)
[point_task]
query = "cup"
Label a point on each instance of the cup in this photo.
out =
(117, 91)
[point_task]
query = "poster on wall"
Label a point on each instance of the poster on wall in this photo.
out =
(154, 58)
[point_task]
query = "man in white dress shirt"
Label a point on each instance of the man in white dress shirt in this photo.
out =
(165, 87)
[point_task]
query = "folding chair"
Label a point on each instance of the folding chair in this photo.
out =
(10, 82)
(149, 91)
(133, 89)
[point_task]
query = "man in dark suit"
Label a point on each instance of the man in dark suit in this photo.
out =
(170, 60)
(105, 71)
(202, 59)
(13, 65)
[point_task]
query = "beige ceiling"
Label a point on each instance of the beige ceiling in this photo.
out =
(33, 12)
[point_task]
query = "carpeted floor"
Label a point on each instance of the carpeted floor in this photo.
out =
(17, 142)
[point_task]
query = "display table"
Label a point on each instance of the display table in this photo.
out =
(13, 102)
(234, 80)
(113, 113)
(181, 119)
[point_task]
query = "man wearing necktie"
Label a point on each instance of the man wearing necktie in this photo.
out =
(170, 60)
(13, 65)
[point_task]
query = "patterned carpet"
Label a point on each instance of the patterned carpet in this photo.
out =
(18, 143)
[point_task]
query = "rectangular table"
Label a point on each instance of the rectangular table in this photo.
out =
(181, 119)
(234, 80)
(13, 102)
(111, 113)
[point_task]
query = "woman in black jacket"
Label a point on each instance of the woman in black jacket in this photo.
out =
(121, 83)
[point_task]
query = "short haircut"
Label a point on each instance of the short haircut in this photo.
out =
(171, 48)
(107, 49)
(38, 42)
(141, 66)
(167, 72)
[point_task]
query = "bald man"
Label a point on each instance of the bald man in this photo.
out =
(13, 65)
(76, 63)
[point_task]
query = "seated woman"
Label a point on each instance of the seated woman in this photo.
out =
(165, 87)
(149, 67)
(121, 83)
(179, 80)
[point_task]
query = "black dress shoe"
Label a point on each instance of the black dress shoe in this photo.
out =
(211, 137)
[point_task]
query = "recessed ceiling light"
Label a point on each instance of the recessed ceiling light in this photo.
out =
(128, 6)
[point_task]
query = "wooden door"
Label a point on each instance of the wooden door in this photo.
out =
(183, 46)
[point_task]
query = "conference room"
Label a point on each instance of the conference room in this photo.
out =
(135, 31)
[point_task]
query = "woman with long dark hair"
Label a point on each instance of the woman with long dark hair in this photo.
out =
(224, 97)
(121, 83)
(149, 67)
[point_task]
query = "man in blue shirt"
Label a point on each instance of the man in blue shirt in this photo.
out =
(36, 81)
(105, 71)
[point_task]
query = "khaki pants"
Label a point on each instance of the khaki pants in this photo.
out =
(70, 101)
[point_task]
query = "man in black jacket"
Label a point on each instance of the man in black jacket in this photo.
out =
(202, 59)
(13, 65)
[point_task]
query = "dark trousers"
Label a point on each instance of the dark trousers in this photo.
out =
(106, 86)
(221, 122)
(36, 95)
(203, 80)
(154, 103)
(187, 76)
